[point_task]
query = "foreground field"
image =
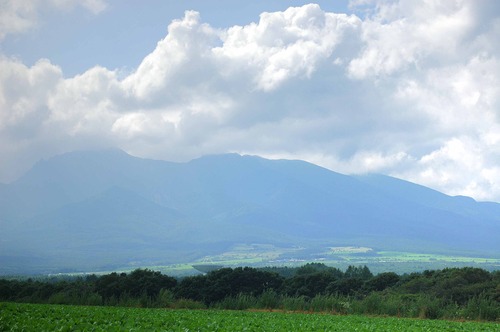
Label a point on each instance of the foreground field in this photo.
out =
(38, 317)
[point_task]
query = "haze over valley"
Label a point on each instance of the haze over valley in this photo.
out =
(103, 210)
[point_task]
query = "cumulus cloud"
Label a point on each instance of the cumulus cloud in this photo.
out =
(24, 94)
(285, 45)
(409, 34)
(407, 88)
(176, 61)
(462, 166)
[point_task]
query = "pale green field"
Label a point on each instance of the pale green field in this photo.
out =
(263, 255)
(341, 257)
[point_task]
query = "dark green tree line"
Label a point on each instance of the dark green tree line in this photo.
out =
(466, 293)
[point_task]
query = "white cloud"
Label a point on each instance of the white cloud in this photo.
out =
(285, 45)
(24, 93)
(176, 62)
(94, 6)
(84, 97)
(141, 126)
(411, 89)
(18, 16)
(410, 33)
(462, 166)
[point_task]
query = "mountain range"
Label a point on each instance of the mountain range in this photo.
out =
(91, 210)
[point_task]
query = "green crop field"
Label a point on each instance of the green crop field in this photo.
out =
(38, 317)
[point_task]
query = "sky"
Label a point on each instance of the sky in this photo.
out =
(406, 88)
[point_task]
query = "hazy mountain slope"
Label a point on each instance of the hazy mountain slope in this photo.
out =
(75, 176)
(106, 208)
(475, 223)
(310, 201)
(397, 188)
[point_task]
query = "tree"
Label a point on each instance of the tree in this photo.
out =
(148, 282)
(347, 286)
(382, 281)
(361, 272)
(310, 284)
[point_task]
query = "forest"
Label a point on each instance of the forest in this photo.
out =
(451, 293)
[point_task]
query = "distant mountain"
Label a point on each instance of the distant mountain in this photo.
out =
(102, 209)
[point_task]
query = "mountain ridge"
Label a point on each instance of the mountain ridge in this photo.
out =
(107, 208)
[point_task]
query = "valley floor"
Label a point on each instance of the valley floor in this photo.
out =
(261, 255)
